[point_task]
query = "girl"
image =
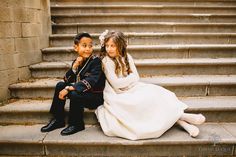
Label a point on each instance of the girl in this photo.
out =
(132, 109)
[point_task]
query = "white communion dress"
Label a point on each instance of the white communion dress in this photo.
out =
(136, 110)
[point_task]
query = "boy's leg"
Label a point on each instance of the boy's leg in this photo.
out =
(58, 105)
(77, 104)
(57, 110)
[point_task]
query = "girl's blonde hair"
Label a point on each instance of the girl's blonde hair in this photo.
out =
(121, 44)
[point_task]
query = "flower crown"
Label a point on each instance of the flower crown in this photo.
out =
(102, 37)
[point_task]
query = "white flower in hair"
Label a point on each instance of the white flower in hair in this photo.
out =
(102, 37)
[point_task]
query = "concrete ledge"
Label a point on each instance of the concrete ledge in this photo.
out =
(161, 80)
(21, 140)
(143, 24)
(143, 27)
(144, 47)
(34, 112)
(144, 17)
(170, 144)
(140, 14)
(142, 6)
(216, 109)
(152, 51)
(152, 67)
(148, 62)
(156, 39)
(188, 85)
(214, 139)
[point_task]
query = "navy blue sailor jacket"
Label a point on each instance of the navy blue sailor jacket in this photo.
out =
(89, 77)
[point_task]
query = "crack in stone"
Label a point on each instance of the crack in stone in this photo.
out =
(207, 90)
(189, 52)
(44, 146)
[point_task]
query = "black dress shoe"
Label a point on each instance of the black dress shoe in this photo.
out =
(71, 129)
(52, 125)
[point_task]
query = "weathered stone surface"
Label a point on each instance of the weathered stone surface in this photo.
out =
(144, 17)
(152, 67)
(35, 4)
(44, 42)
(27, 44)
(216, 109)
(6, 46)
(21, 140)
(188, 85)
(195, 41)
(230, 127)
(12, 75)
(174, 142)
(45, 5)
(12, 3)
(4, 93)
(10, 29)
(24, 59)
(149, 51)
(6, 14)
(68, 28)
(18, 21)
(34, 112)
(25, 15)
(6, 62)
(155, 8)
(31, 30)
(24, 73)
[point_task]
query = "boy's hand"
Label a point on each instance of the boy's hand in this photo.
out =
(78, 62)
(62, 94)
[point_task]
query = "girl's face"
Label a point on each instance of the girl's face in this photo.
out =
(85, 47)
(111, 48)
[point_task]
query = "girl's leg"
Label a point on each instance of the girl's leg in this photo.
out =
(191, 129)
(193, 118)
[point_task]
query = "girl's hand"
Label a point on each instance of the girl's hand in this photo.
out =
(62, 94)
(78, 62)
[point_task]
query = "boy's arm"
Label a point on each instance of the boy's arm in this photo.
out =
(70, 75)
(93, 77)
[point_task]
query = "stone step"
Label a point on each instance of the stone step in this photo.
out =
(144, 17)
(152, 51)
(215, 108)
(158, 27)
(156, 8)
(31, 112)
(215, 139)
(152, 67)
(186, 85)
(151, 38)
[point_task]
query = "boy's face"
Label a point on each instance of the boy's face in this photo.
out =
(85, 47)
(111, 48)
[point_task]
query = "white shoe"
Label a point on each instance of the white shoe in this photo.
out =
(196, 119)
(191, 129)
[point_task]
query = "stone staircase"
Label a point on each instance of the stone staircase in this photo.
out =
(187, 46)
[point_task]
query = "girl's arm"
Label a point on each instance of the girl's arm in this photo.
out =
(116, 82)
(133, 67)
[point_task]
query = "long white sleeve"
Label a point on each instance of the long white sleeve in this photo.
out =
(133, 67)
(119, 82)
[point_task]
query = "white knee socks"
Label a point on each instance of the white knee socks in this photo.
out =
(191, 129)
(193, 118)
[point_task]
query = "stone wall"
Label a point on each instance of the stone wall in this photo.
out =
(25, 26)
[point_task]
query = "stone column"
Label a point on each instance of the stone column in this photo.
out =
(25, 26)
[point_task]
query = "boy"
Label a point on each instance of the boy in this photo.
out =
(83, 85)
